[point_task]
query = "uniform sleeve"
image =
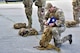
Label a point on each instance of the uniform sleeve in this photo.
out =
(46, 16)
(61, 20)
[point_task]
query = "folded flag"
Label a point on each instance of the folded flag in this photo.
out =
(51, 20)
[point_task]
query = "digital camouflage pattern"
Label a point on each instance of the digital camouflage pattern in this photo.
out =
(28, 11)
(76, 10)
(27, 32)
(46, 37)
(49, 47)
(19, 25)
(71, 23)
(45, 41)
(57, 30)
(41, 5)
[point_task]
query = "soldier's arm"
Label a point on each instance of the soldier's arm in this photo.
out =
(61, 20)
(46, 16)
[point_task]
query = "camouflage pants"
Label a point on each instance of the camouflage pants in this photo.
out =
(76, 15)
(41, 13)
(56, 31)
(28, 10)
(40, 18)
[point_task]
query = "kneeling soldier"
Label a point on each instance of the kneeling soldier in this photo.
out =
(59, 26)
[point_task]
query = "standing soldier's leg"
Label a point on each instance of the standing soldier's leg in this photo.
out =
(57, 40)
(76, 4)
(28, 11)
(41, 5)
(78, 14)
(76, 17)
(40, 18)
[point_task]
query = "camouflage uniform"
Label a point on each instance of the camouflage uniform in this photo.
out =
(28, 10)
(76, 12)
(41, 5)
(57, 30)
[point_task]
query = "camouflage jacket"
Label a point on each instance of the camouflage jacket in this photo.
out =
(59, 16)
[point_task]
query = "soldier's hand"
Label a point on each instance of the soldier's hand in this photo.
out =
(46, 23)
(51, 24)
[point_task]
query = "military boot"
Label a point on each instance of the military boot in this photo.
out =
(70, 39)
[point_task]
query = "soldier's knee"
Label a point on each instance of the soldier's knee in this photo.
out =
(54, 29)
